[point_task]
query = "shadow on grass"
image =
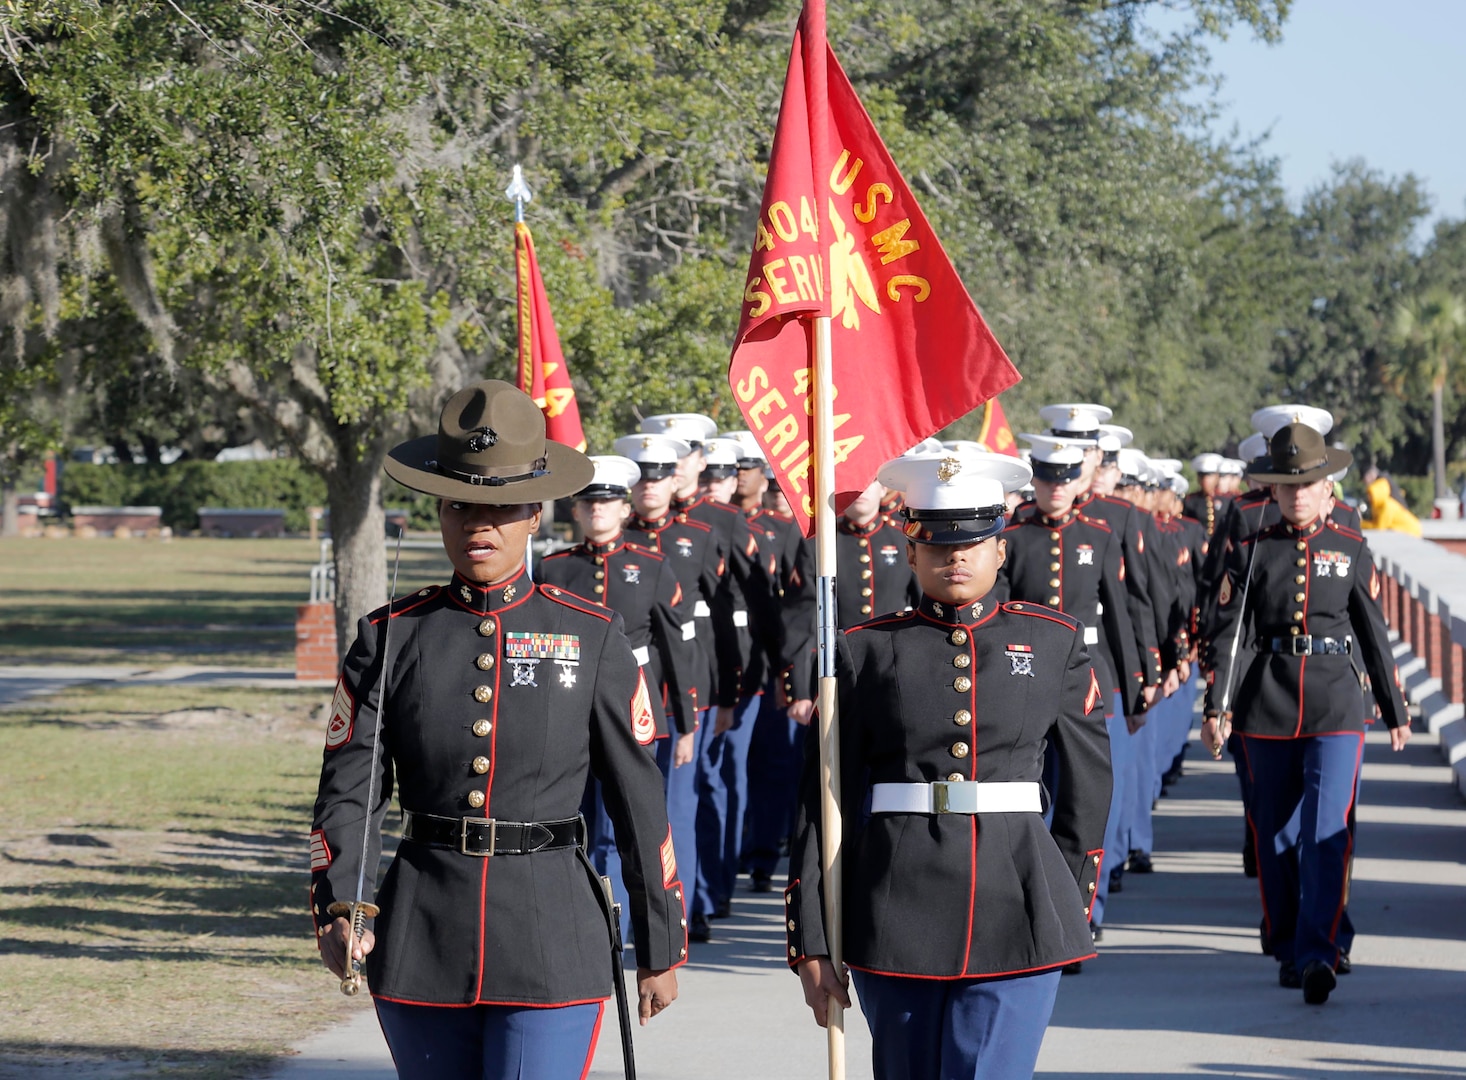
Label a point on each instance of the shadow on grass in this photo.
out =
(20, 1058)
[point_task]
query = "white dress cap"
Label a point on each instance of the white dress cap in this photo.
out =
(1207, 463)
(1134, 463)
(748, 445)
(1053, 450)
(948, 480)
(1251, 448)
(927, 446)
(1235, 466)
(1112, 437)
(652, 449)
(1179, 486)
(966, 446)
(1272, 417)
(691, 428)
(614, 471)
(722, 453)
(1076, 419)
(1168, 465)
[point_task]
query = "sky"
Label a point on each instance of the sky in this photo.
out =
(1384, 80)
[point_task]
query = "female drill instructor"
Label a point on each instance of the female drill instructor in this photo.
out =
(1311, 597)
(961, 907)
(491, 956)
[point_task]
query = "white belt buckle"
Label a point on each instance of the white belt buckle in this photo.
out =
(740, 618)
(701, 610)
(643, 655)
(1091, 635)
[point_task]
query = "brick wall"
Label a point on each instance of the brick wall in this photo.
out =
(315, 641)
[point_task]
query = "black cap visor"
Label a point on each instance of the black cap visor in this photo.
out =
(953, 526)
(602, 493)
(718, 472)
(1055, 474)
(657, 470)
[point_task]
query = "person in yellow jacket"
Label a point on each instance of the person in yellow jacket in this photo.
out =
(1386, 511)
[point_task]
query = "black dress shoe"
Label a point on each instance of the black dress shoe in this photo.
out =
(1343, 967)
(699, 929)
(1318, 982)
(1116, 885)
(1098, 933)
(723, 909)
(761, 881)
(1140, 863)
(1288, 977)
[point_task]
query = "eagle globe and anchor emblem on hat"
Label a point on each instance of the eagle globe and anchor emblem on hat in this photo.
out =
(490, 449)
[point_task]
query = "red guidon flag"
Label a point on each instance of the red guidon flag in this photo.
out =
(542, 371)
(840, 234)
(996, 435)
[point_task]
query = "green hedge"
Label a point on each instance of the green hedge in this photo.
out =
(185, 487)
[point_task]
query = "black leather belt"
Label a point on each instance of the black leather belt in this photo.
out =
(1306, 645)
(484, 837)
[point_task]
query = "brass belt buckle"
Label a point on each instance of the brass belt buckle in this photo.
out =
(941, 797)
(463, 836)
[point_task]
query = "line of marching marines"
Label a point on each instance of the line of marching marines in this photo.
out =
(1024, 642)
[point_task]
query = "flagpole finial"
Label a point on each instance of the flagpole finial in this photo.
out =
(519, 191)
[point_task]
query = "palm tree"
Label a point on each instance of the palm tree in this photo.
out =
(1430, 332)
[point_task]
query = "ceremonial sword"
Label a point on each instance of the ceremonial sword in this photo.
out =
(359, 911)
(1236, 637)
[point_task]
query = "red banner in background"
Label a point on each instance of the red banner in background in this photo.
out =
(542, 371)
(840, 234)
(996, 434)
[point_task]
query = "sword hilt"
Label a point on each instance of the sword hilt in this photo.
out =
(356, 914)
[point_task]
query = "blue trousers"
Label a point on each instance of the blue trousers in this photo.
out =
(966, 1029)
(492, 1042)
(1308, 784)
(1115, 847)
(682, 801)
(775, 762)
(722, 805)
(1137, 833)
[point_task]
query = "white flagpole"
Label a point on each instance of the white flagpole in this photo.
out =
(829, 719)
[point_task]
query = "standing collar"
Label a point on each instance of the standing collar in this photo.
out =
(1056, 522)
(964, 615)
(610, 547)
(484, 599)
(845, 525)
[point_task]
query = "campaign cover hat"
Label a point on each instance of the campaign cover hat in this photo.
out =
(490, 449)
(1298, 455)
(953, 497)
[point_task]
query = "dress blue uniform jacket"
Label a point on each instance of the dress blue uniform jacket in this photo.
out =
(1319, 581)
(506, 698)
(972, 693)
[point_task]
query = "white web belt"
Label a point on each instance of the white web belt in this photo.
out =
(957, 797)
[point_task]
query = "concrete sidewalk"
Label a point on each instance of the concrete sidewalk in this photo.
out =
(19, 681)
(1180, 988)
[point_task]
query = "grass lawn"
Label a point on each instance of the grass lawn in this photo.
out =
(153, 603)
(153, 874)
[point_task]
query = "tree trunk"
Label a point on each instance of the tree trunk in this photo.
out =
(10, 518)
(1438, 439)
(358, 526)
